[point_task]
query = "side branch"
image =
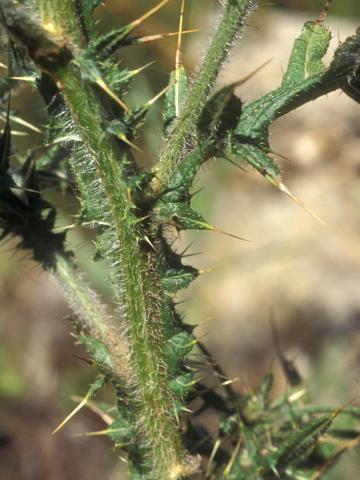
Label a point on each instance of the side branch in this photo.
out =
(230, 25)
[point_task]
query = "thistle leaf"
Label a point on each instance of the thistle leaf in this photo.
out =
(221, 114)
(305, 70)
(175, 98)
(302, 441)
(86, 10)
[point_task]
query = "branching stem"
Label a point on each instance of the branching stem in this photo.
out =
(230, 25)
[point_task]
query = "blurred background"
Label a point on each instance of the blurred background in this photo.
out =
(303, 275)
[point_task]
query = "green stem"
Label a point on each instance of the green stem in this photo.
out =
(92, 314)
(230, 25)
(132, 268)
(83, 302)
(134, 279)
(52, 12)
(133, 273)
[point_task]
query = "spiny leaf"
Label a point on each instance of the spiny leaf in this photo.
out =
(121, 431)
(181, 216)
(22, 208)
(305, 70)
(178, 188)
(182, 384)
(258, 159)
(308, 50)
(91, 72)
(177, 348)
(177, 279)
(86, 10)
(222, 111)
(175, 98)
(302, 441)
(107, 44)
(221, 114)
(99, 353)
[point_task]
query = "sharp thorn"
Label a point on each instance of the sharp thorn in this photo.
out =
(178, 59)
(297, 395)
(212, 456)
(147, 240)
(230, 381)
(111, 94)
(135, 23)
(92, 434)
(284, 189)
(22, 122)
(219, 230)
(158, 36)
(72, 413)
(19, 133)
(233, 458)
(235, 164)
(186, 248)
(206, 270)
(24, 79)
(108, 419)
(139, 70)
(157, 96)
(124, 139)
(187, 255)
(247, 77)
(66, 227)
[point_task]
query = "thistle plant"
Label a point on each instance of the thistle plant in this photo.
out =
(143, 346)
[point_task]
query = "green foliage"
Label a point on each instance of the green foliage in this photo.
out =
(143, 346)
(23, 211)
(305, 79)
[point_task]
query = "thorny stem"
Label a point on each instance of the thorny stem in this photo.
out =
(92, 314)
(141, 292)
(230, 24)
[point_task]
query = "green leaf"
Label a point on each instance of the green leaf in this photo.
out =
(178, 188)
(177, 348)
(180, 216)
(175, 98)
(182, 384)
(308, 50)
(258, 159)
(305, 70)
(121, 431)
(87, 8)
(220, 114)
(177, 279)
(107, 44)
(98, 351)
(301, 442)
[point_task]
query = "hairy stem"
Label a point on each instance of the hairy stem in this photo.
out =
(139, 293)
(230, 25)
(132, 269)
(92, 314)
